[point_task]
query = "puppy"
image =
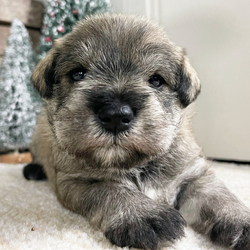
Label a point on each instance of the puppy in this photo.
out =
(114, 137)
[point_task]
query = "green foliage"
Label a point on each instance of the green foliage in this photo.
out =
(61, 15)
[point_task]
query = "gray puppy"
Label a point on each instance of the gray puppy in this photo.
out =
(114, 137)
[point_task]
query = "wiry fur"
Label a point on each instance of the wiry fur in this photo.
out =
(138, 185)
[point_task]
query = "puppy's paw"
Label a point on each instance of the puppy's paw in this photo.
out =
(34, 171)
(235, 235)
(148, 232)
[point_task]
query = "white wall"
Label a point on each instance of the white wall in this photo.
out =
(149, 8)
(216, 34)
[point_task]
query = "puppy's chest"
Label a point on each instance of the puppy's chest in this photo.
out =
(156, 187)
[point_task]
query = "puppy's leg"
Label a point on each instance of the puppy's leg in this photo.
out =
(34, 171)
(121, 211)
(210, 208)
(40, 149)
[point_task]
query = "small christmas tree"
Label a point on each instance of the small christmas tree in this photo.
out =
(61, 15)
(19, 101)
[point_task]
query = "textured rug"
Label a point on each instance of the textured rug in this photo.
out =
(32, 218)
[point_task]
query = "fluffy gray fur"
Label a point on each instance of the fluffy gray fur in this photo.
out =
(140, 186)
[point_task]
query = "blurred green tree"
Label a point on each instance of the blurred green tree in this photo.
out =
(19, 101)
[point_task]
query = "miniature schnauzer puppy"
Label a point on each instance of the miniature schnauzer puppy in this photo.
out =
(114, 137)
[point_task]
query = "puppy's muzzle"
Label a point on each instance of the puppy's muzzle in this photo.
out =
(115, 117)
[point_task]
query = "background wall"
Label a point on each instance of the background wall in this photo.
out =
(216, 34)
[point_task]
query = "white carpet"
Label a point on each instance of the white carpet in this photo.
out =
(32, 218)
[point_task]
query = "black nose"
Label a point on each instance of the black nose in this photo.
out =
(116, 117)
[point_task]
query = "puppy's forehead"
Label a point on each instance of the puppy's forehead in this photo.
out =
(119, 42)
(122, 29)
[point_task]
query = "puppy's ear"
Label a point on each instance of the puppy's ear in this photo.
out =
(187, 82)
(43, 76)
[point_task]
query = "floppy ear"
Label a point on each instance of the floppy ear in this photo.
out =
(43, 76)
(188, 84)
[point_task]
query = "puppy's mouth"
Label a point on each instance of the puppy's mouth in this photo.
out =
(117, 128)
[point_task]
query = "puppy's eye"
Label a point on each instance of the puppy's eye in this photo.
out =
(156, 81)
(77, 74)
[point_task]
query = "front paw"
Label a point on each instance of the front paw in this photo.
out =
(149, 231)
(235, 235)
(34, 171)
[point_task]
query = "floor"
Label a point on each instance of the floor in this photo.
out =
(32, 218)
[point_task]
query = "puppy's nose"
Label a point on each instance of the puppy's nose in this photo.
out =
(116, 118)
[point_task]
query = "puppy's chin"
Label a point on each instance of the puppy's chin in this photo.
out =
(124, 150)
(117, 157)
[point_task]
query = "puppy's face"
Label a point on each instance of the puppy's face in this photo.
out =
(115, 89)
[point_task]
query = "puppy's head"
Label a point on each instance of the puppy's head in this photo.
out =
(115, 88)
